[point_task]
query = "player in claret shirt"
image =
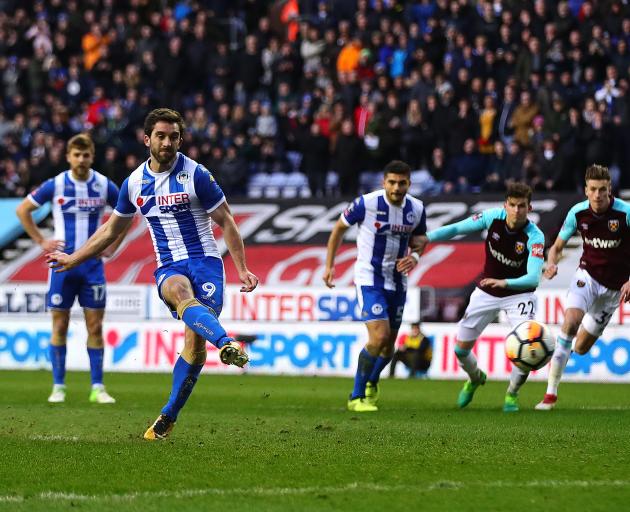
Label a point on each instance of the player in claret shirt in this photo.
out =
(514, 261)
(601, 281)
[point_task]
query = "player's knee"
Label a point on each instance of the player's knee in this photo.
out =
(184, 304)
(58, 339)
(95, 341)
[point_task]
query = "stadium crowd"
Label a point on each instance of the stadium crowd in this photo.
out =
(476, 94)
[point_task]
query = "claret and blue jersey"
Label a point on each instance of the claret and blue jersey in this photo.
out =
(514, 255)
(606, 241)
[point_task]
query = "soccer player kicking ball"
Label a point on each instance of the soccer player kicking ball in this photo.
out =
(600, 282)
(78, 197)
(390, 222)
(178, 198)
(514, 261)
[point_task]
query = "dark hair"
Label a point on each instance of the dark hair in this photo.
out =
(82, 142)
(597, 172)
(397, 167)
(163, 114)
(519, 190)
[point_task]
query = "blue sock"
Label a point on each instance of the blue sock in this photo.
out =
(58, 360)
(365, 365)
(379, 366)
(206, 325)
(96, 364)
(184, 379)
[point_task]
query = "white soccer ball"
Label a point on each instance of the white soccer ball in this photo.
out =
(530, 345)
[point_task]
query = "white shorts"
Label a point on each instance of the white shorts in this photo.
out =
(598, 302)
(483, 308)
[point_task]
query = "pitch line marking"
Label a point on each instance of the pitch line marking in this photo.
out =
(444, 485)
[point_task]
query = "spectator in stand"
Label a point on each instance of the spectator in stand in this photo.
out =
(104, 69)
(347, 159)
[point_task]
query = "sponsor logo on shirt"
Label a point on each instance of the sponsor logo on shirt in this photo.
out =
(173, 203)
(504, 259)
(538, 250)
(598, 243)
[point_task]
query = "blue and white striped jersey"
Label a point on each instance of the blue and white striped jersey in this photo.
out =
(77, 206)
(384, 233)
(175, 204)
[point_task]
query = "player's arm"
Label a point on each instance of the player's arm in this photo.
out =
(334, 241)
(99, 241)
(477, 222)
(417, 245)
(113, 247)
(24, 213)
(223, 217)
(555, 253)
(113, 194)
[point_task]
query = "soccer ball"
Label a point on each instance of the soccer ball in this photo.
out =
(530, 345)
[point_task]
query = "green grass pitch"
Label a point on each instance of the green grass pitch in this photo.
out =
(261, 443)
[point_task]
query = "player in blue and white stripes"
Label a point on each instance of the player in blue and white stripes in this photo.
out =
(78, 197)
(178, 198)
(390, 222)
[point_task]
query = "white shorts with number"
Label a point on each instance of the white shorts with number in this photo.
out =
(598, 302)
(483, 308)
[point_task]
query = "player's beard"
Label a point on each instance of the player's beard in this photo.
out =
(164, 156)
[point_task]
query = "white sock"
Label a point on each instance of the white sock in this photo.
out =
(561, 355)
(468, 362)
(517, 379)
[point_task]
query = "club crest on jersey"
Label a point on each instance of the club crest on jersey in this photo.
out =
(183, 177)
(519, 247)
(96, 186)
(581, 284)
(377, 309)
(584, 226)
(495, 235)
(613, 225)
(411, 217)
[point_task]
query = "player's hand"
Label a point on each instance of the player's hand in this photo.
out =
(52, 245)
(489, 282)
(551, 271)
(329, 277)
(60, 261)
(625, 292)
(249, 280)
(406, 264)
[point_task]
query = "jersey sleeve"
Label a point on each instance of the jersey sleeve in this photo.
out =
(421, 228)
(112, 193)
(478, 222)
(124, 207)
(535, 260)
(44, 193)
(207, 189)
(354, 213)
(569, 227)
